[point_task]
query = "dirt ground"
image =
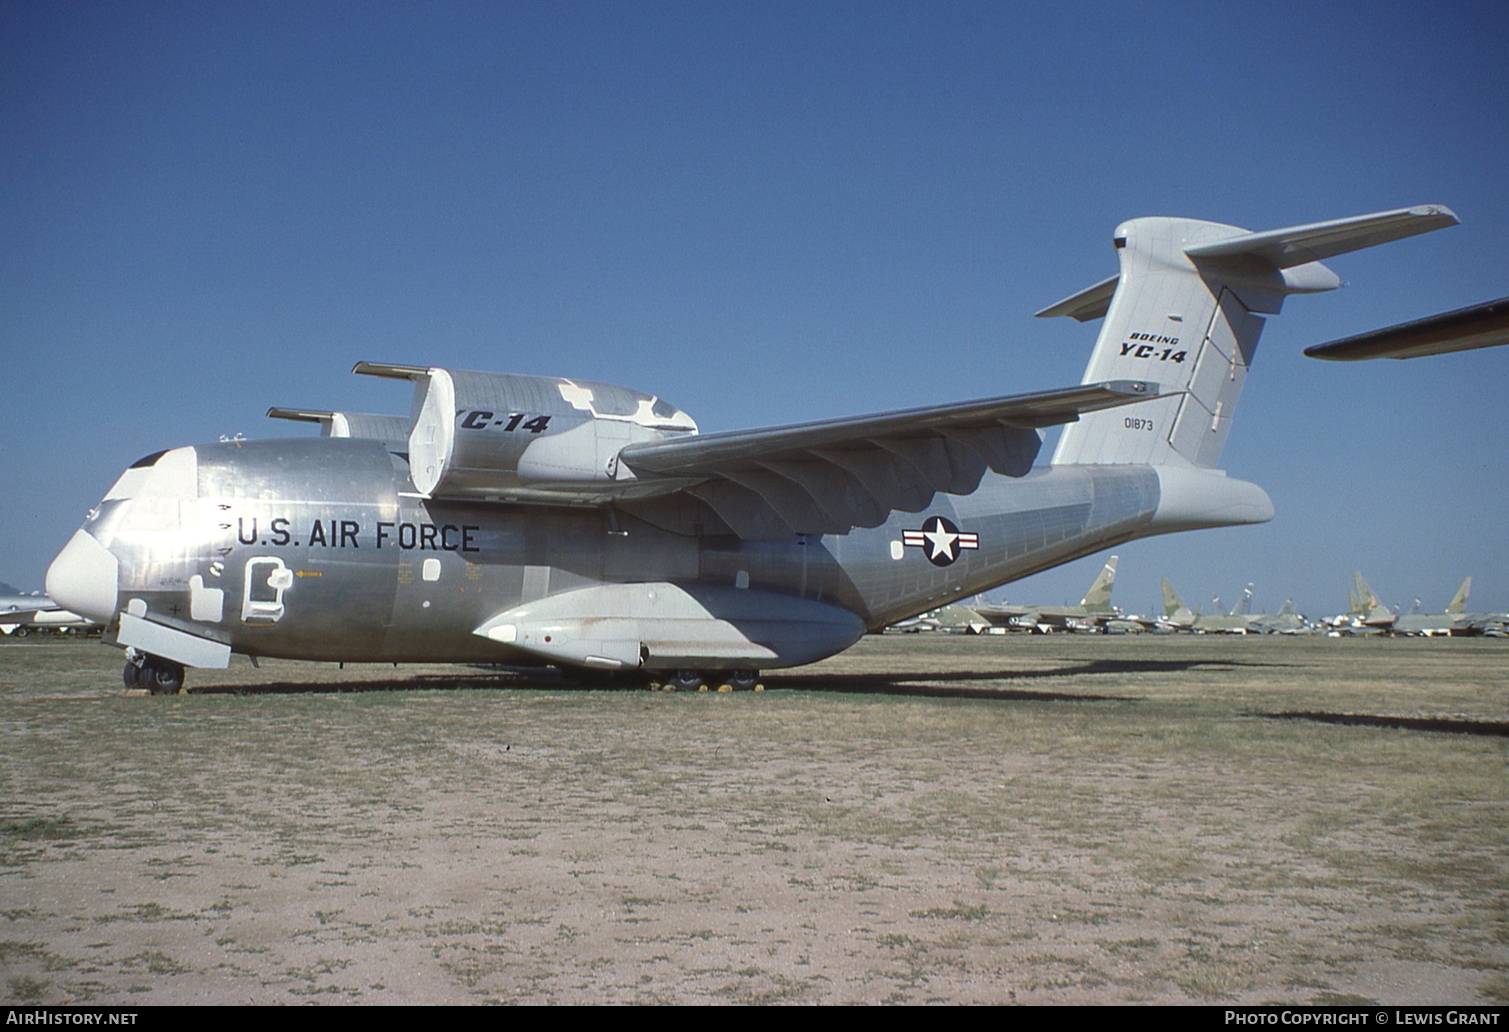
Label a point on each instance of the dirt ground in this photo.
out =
(1070, 819)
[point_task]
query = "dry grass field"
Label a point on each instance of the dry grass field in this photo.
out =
(925, 818)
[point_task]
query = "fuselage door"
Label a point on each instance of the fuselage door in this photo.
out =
(266, 580)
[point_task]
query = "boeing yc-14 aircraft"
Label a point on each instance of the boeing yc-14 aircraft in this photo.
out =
(541, 520)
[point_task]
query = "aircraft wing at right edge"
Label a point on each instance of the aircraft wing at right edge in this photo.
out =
(1464, 329)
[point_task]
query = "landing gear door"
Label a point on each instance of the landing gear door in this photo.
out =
(266, 580)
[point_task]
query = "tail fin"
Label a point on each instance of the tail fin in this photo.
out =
(1098, 598)
(1365, 598)
(1244, 604)
(1458, 603)
(1371, 609)
(1174, 608)
(1186, 311)
(1172, 603)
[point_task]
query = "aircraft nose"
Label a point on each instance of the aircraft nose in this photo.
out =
(84, 578)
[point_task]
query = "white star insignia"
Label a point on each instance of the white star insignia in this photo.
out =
(941, 539)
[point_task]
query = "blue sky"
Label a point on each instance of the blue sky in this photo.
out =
(764, 212)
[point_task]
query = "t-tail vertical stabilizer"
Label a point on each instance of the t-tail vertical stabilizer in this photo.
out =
(1186, 312)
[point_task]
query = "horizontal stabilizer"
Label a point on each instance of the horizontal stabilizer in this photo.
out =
(1299, 245)
(1090, 303)
(1477, 326)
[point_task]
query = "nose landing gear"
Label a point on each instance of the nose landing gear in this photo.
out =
(153, 673)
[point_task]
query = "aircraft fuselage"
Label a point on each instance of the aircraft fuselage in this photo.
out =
(321, 548)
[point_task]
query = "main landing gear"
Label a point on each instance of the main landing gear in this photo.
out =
(711, 680)
(152, 673)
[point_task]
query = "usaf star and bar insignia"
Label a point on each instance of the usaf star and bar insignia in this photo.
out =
(940, 540)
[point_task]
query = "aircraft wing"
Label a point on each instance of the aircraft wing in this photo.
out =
(1004, 615)
(23, 613)
(836, 474)
(1477, 326)
(43, 616)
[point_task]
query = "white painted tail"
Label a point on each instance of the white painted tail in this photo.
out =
(1186, 312)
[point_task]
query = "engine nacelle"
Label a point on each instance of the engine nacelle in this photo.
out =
(481, 435)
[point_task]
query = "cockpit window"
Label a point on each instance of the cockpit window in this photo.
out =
(663, 408)
(148, 460)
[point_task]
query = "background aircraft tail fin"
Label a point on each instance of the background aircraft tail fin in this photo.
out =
(1458, 603)
(1365, 598)
(1098, 598)
(1174, 608)
(1186, 311)
(1171, 601)
(1369, 606)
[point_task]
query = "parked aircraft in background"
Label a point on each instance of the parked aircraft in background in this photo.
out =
(1179, 617)
(1091, 614)
(1286, 621)
(1430, 624)
(527, 519)
(1370, 616)
(1241, 620)
(956, 619)
(22, 614)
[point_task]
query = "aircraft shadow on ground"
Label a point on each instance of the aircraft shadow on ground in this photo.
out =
(924, 684)
(1447, 725)
(933, 684)
(479, 681)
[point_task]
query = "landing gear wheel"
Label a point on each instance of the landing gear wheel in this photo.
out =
(744, 680)
(22, 631)
(132, 676)
(686, 681)
(161, 676)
